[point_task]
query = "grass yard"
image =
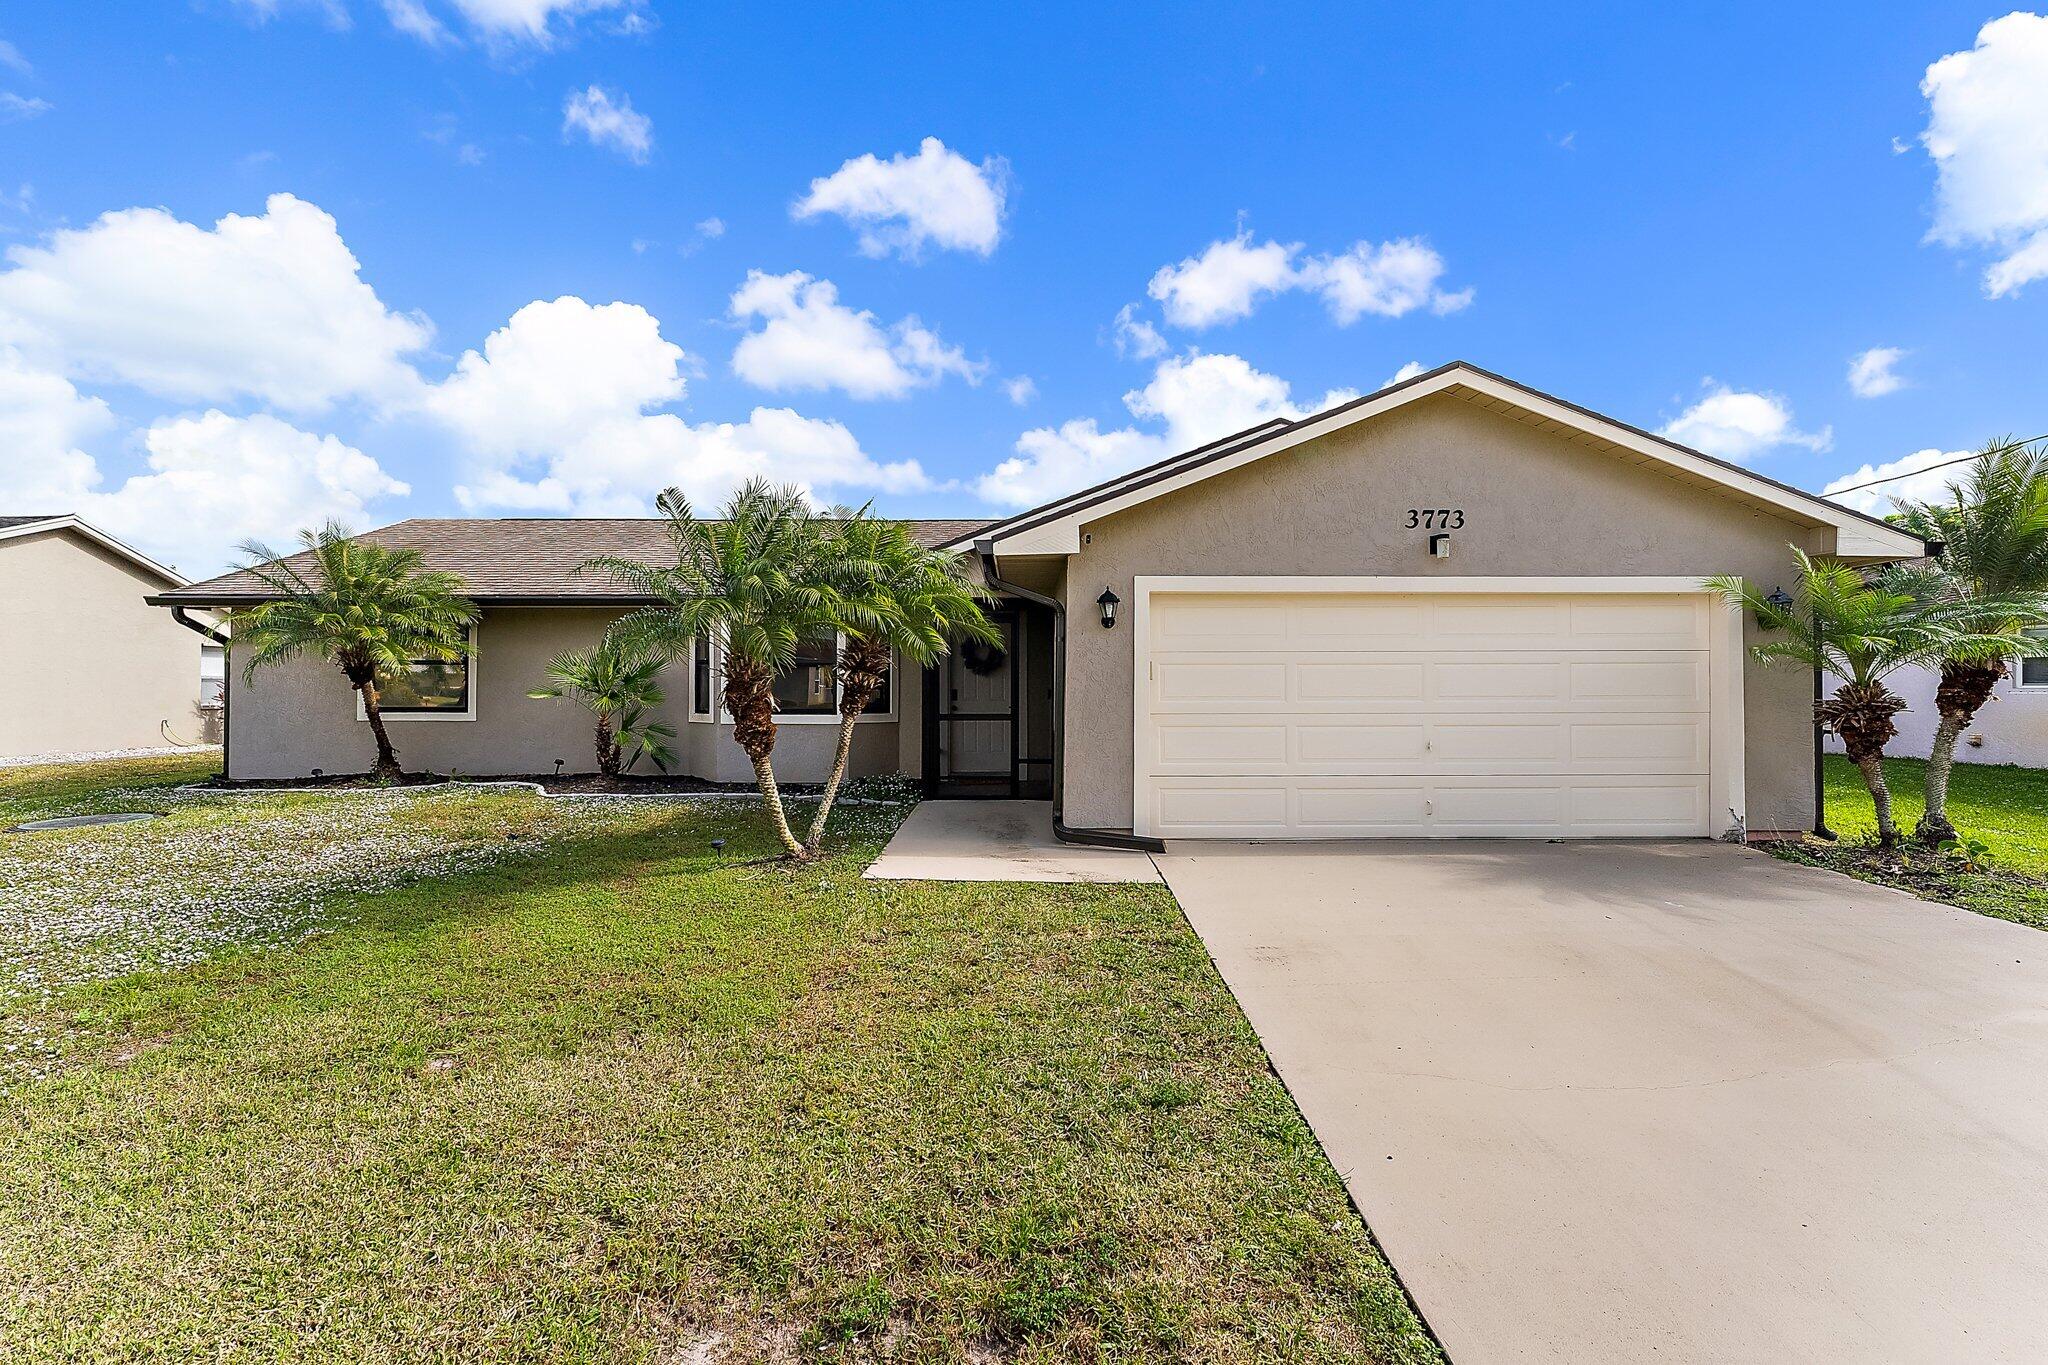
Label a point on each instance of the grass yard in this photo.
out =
(485, 1076)
(2004, 808)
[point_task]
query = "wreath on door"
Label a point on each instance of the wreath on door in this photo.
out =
(981, 657)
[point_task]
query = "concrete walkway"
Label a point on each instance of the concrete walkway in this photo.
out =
(1677, 1102)
(998, 841)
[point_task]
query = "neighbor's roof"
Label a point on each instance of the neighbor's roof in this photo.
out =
(513, 560)
(13, 527)
(1055, 527)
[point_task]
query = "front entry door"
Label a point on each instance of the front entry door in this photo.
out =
(978, 712)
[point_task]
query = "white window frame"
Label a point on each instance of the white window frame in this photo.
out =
(467, 713)
(721, 716)
(2019, 664)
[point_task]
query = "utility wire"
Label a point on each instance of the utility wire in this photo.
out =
(1960, 459)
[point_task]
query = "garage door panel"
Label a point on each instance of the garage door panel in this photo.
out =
(1440, 715)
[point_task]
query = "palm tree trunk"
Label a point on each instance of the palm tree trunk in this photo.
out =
(387, 757)
(1861, 713)
(1872, 768)
(1963, 691)
(849, 715)
(607, 749)
(771, 796)
(751, 702)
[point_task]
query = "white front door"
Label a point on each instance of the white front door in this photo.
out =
(1344, 715)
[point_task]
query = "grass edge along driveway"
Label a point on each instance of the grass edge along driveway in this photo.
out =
(631, 1098)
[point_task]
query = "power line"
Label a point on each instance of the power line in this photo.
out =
(1925, 469)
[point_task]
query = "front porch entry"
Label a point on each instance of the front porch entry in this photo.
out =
(988, 712)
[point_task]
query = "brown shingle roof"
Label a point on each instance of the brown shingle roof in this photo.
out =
(514, 559)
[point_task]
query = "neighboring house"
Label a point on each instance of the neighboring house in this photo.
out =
(95, 669)
(2011, 728)
(1453, 607)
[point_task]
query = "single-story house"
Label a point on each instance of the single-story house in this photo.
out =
(2010, 728)
(1454, 607)
(108, 672)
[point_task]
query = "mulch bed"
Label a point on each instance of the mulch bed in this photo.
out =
(1926, 873)
(568, 783)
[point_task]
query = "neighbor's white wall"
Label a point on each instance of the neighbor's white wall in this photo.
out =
(88, 665)
(2013, 725)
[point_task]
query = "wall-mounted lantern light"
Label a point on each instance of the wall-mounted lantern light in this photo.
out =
(1779, 599)
(1108, 605)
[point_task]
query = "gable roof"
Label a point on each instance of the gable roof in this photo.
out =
(510, 561)
(14, 527)
(1055, 528)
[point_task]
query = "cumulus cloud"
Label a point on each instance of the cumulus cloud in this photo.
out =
(212, 481)
(1872, 373)
(1136, 338)
(1022, 390)
(1192, 399)
(1921, 482)
(1735, 425)
(605, 120)
(270, 307)
(556, 413)
(1987, 130)
(900, 206)
(810, 340)
(1228, 280)
(1405, 373)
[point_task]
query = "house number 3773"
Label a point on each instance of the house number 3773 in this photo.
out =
(1436, 518)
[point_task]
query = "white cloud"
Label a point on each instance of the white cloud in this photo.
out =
(1987, 131)
(11, 58)
(212, 479)
(1871, 372)
(1405, 373)
(530, 20)
(556, 415)
(269, 307)
(15, 107)
(901, 205)
(608, 122)
(809, 340)
(1022, 390)
(1921, 484)
(1229, 279)
(1194, 398)
(413, 18)
(1225, 282)
(1135, 337)
(1736, 426)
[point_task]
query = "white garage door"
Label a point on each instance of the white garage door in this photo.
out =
(1333, 715)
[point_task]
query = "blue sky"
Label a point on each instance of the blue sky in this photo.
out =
(1690, 219)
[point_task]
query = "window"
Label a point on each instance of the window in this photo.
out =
(427, 685)
(2034, 667)
(807, 692)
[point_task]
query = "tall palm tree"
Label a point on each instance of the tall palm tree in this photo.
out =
(755, 581)
(619, 689)
(1994, 523)
(1861, 632)
(896, 597)
(370, 610)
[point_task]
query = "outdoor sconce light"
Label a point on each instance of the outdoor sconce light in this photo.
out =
(1440, 546)
(1780, 599)
(1108, 603)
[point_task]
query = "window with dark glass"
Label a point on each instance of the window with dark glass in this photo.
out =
(2034, 667)
(806, 688)
(427, 685)
(700, 677)
(880, 705)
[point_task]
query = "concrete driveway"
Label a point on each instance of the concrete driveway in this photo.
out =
(1680, 1102)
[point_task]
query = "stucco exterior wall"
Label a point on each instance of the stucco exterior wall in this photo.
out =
(287, 721)
(2011, 728)
(1535, 504)
(91, 666)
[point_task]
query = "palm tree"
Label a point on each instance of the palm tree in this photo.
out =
(1862, 633)
(896, 597)
(369, 609)
(755, 581)
(619, 689)
(1994, 524)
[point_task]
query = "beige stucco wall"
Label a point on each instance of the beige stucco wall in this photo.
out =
(1535, 505)
(287, 721)
(90, 666)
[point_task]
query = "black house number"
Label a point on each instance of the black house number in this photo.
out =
(1436, 518)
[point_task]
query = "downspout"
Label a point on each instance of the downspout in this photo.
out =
(226, 711)
(1065, 833)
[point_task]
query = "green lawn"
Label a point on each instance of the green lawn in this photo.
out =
(585, 1088)
(2004, 808)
